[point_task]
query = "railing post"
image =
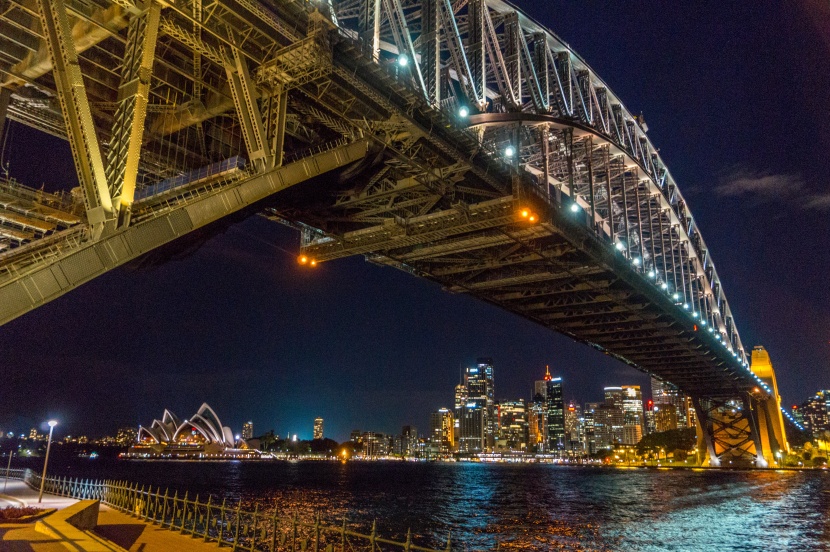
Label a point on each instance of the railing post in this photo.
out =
(253, 529)
(294, 532)
(184, 512)
(207, 518)
(317, 534)
(449, 543)
(374, 534)
(222, 522)
(236, 528)
(164, 509)
(408, 545)
(274, 531)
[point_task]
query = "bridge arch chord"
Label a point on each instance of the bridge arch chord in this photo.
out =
(520, 86)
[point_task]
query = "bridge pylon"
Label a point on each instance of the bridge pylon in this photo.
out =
(746, 429)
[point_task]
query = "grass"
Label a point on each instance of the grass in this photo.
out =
(17, 512)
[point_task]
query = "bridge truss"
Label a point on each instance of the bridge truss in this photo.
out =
(459, 141)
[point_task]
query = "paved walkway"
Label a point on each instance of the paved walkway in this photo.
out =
(125, 531)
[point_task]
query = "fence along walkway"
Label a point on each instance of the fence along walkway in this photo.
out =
(225, 525)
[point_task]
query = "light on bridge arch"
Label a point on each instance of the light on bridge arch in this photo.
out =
(620, 246)
(509, 151)
(403, 61)
(575, 207)
(676, 296)
(652, 274)
(636, 261)
(463, 111)
(664, 285)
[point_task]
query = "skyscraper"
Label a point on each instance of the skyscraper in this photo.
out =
(815, 412)
(480, 392)
(409, 440)
(248, 430)
(665, 393)
(442, 429)
(318, 428)
(512, 424)
(555, 412)
(472, 425)
(573, 428)
(634, 422)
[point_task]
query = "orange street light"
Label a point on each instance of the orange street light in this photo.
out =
(302, 259)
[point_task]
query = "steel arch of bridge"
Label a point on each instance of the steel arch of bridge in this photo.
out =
(448, 126)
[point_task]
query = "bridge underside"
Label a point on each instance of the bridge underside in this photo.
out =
(342, 122)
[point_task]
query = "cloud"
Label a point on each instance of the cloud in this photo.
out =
(818, 202)
(765, 186)
(789, 189)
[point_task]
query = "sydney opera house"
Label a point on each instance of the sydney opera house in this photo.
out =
(200, 436)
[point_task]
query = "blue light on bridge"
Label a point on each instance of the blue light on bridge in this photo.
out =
(664, 285)
(652, 274)
(676, 296)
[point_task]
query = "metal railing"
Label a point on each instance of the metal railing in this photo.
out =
(225, 524)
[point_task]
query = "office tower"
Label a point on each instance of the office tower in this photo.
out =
(512, 425)
(460, 396)
(665, 393)
(479, 389)
(665, 417)
(472, 422)
(632, 403)
(815, 412)
(589, 436)
(614, 396)
(409, 440)
(537, 425)
(608, 422)
(318, 428)
(555, 412)
(573, 428)
(374, 444)
(248, 430)
(480, 385)
(442, 429)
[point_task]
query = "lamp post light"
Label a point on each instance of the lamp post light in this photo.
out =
(52, 424)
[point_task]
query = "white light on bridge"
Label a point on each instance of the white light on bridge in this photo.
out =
(703, 322)
(652, 274)
(694, 313)
(686, 306)
(676, 296)
(403, 61)
(711, 329)
(620, 246)
(636, 261)
(665, 285)
(463, 111)
(509, 151)
(575, 208)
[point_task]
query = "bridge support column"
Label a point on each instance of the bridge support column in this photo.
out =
(728, 430)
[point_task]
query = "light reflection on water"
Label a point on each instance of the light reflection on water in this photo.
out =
(518, 507)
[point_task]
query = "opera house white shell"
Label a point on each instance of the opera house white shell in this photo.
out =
(200, 435)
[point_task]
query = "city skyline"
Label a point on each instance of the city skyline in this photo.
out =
(238, 316)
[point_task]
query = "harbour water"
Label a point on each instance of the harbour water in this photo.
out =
(514, 507)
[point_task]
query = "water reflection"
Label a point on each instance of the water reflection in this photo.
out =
(516, 507)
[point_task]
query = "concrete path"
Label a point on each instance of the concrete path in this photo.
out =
(127, 532)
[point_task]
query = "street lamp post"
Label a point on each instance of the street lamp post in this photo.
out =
(8, 469)
(52, 424)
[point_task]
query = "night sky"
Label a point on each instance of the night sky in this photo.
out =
(737, 98)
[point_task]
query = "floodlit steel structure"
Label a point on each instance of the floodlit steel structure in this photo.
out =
(459, 141)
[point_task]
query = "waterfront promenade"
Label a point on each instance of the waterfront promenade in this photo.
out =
(116, 530)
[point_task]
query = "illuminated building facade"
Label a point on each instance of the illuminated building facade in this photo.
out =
(248, 430)
(815, 412)
(442, 430)
(512, 426)
(555, 412)
(634, 422)
(318, 428)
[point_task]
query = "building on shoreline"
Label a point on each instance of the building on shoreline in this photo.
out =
(200, 436)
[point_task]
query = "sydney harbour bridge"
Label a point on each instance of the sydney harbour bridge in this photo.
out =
(459, 141)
